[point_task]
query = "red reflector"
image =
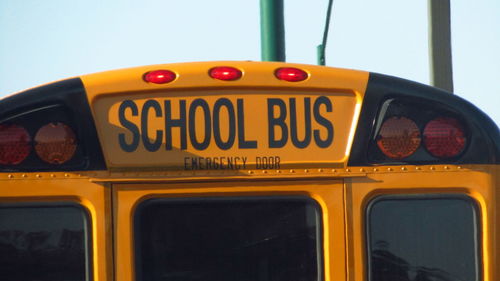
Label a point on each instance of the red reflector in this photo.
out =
(444, 137)
(159, 76)
(55, 143)
(14, 144)
(225, 73)
(399, 137)
(291, 74)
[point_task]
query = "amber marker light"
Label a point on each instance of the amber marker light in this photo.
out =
(444, 137)
(14, 144)
(55, 143)
(291, 74)
(225, 73)
(399, 137)
(160, 76)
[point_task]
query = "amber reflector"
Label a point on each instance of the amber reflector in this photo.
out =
(55, 143)
(14, 144)
(291, 74)
(225, 73)
(444, 137)
(160, 76)
(399, 137)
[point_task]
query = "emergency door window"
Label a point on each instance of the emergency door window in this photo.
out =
(228, 239)
(419, 238)
(43, 243)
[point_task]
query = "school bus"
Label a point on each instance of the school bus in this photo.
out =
(249, 171)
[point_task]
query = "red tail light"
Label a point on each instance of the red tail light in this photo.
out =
(55, 143)
(399, 137)
(225, 73)
(444, 137)
(15, 144)
(291, 74)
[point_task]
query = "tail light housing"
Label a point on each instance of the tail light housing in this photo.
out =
(417, 132)
(15, 144)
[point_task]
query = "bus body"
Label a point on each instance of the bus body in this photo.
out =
(246, 171)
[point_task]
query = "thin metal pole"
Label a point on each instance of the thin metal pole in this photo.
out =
(441, 69)
(321, 47)
(272, 30)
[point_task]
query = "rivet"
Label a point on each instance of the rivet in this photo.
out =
(278, 171)
(389, 169)
(432, 168)
(52, 175)
(264, 172)
(334, 171)
(348, 170)
(403, 168)
(361, 170)
(446, 167)
(418, 168)
(10, 176)
(66, 175)
(306, 171)
(459, 167)
(24, 175)
(250, 172)
(38, 175)
(375, 169)
(292, 171)
(320, 170)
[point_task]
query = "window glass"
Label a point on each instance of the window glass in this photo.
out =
(42, 243)
(423, 239)
(252, 239)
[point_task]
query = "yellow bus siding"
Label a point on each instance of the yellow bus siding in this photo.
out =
(342, 192)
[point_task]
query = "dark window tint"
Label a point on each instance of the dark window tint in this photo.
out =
(253, 239)
(423, 239)
(42, 243)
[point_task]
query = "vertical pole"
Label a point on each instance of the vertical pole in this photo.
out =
(440, 44)
(272, 30)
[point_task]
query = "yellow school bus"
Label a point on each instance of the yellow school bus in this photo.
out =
(248, 171)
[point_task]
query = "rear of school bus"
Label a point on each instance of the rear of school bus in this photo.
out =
(250, 171)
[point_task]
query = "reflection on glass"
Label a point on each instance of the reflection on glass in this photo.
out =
(227, 240)
(423, 239)
(42, 243)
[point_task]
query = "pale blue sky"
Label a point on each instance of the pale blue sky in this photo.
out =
(46, 40)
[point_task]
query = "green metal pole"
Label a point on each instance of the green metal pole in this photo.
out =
(272, 30)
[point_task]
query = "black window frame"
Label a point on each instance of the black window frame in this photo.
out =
(427, 196)
(87, 224)
(136, 235)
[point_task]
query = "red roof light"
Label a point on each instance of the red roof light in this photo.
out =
(225, 73)
(291, 74)
(160, 76)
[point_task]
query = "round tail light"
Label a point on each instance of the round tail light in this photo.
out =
(55, 143)
(444, 137)
(14, 144)
(399, 137)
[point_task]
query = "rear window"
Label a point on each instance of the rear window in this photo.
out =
(228, 239)
(43, 243)
(423, 238)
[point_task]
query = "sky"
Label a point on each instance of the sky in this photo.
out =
(46, 40)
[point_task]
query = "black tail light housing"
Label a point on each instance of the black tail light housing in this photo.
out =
(49, 128)
(404, 122)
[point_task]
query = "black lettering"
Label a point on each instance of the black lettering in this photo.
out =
(307, 122)
(216, 123)
(170, 123)
(230, 163)
(192, 124)
(194, 163)
(155, 145)
(132, 146)
(216, 163)
(186, 162)
(244, 162)
(242, 143)
(278, 121)
(323, 143)
(208, 163)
